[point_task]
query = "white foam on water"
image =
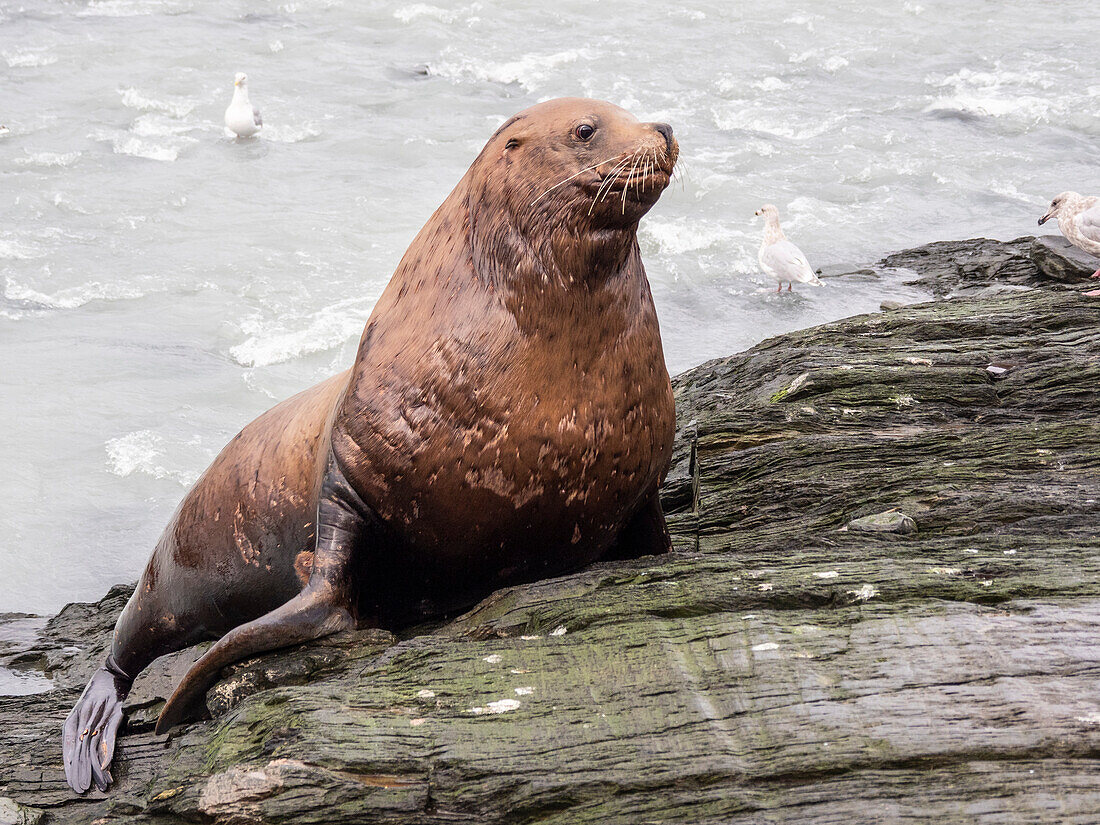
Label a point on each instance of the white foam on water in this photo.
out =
(155, 124)
(63, 202)
(178, 107)
(72, 297)
(771, 83)
(29, 59)
(290, 133)
(48, 159)
(131, 8)
(138, 147)
(690, 14)
(806, 21)
(1032, 108)
(679, 236)
(416, 11)
(142, 451)
(529, 71)
(999, 93)
(737, 116)
(16, 249)
(1008, 189)
(271, 343)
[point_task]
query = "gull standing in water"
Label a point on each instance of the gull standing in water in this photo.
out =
(1079, 219)
(242, 118)
(779, 257)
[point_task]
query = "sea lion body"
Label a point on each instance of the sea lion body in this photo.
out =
(508, 416)
(229, 552)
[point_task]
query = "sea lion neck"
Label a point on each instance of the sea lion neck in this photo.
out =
(562, 255)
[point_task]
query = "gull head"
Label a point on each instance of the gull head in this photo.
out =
(1057, 205)
(241, 79)
(768, 212)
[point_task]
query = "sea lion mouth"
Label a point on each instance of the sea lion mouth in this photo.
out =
(640, 187)
(639, 177)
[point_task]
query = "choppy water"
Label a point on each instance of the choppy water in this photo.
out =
(162, 285)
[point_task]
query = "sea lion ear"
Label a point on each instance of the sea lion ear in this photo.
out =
(512, 143)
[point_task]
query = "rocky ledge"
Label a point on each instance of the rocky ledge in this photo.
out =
(883, 605)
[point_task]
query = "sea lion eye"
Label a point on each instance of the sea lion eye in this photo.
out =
(584, 131)
(511, 144)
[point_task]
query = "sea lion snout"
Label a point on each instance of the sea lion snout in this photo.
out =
(665, 130)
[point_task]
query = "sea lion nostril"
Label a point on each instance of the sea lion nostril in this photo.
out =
(665, 130)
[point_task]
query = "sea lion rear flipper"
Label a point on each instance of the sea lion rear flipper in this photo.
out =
(324, 607)
(88, 738)
(313, 613)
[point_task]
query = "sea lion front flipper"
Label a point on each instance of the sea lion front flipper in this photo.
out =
(646, 534)
(88, 738)
(324, 606)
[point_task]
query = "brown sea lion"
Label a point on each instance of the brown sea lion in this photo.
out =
(508, 417)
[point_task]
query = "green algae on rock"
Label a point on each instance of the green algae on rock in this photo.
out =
(778, 666)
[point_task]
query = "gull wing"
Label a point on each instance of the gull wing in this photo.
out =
(785, 262)
(1088, 222)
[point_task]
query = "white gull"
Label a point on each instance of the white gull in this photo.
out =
(1079, 219)
(780, 258)
(242, 118)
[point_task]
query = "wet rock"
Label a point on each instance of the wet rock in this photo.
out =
(890, 521)
(775, 667)
(12, 813)
(986, 267)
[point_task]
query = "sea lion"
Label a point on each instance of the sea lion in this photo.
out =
(508, 417)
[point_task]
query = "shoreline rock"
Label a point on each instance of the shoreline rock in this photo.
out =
(777, 666)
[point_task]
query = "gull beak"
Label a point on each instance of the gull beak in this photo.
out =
(1046, 217)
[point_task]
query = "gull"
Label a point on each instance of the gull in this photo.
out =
(1079, 219)
(779, 257)
(242, 118)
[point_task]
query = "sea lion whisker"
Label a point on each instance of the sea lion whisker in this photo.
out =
(681, 172)
(605, 187)
(611, 178)
(562, 183)
(630, 178)
(599, 192)
(608, 178)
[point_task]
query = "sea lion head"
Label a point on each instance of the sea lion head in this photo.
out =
(568, 175)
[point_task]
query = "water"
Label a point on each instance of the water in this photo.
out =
(162, 285)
